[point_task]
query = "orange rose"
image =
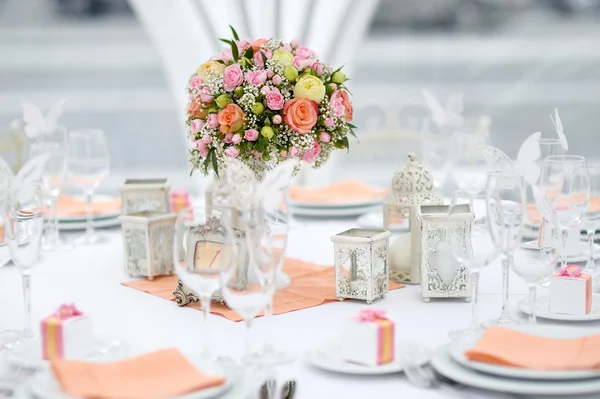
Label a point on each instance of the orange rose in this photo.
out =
(257, 43)
(231, 118)
(194, 108)
(301, 114)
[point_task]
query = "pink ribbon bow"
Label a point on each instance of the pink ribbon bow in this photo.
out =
(570, 271)
(67, 311)
(368, 315)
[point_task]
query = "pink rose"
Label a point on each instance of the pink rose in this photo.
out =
(301, 114)
(277, 119)
(287, 47)
(258, 60)
(231, 117)
(333, 86)
(324, 137)
(294, 151)
(251, 134)
(236, 139)
(232, 77)
(212, 120)
(232, 152)
(202, 148)
(341, 96)
(265, 90)
(294, 42)
(275, 100)
(225, 56)
(256, 78)
(304, 52)
(242, 45)
(270, 73)
(206, 95)
(197, 125)
(257, 154)
(329, 122)
(302, 63)
(317, 67)
(572, 271)
(206, 139)
(195, 82)
(276, 80)
(337, 105)
(283, 153)
(312, 154)
(228, 138)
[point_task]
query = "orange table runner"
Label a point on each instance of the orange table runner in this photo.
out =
(312, 285)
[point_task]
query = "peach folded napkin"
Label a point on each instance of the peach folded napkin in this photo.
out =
(506, 347)
(535, 217)
(346, 191)
(70, 206)
(161, 374)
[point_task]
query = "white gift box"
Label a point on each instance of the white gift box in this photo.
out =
(571, 295)
(67, 334)
(370, 343)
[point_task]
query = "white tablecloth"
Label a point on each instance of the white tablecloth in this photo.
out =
(90, 277)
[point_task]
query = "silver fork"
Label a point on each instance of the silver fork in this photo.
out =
(419, 372)
(11, 377)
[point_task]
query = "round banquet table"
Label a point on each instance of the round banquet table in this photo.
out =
(91, 277)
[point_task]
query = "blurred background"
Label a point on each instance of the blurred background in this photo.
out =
(515, 61)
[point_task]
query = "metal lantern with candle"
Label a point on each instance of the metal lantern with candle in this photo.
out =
(412, 186)
(442, 276)
(361, 264)
(150, 195)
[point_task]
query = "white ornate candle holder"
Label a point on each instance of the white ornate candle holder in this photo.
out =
(412, 186)
(148, 243)
(361, 270)
(139, 195)
(442, 276)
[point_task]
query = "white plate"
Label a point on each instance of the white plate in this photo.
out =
(374, 220)
(330, 212)
(457, 353)
(582, 256)
(443, 364)
(337, 205)
(542, 309)
(82, 218)
(44, 384)
(530, 233)
(98, 224)
(329, 358)
(29, 354)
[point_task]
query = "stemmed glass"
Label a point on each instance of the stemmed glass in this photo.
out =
(202, 238)
(591, 218)
(475, 257)
(88, 162)
(53, 178)
(24, 224)
(565, 189)
(468, 166)
(436, 154)
(505, 196)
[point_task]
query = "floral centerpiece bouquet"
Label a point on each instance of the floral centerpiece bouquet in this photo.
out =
(264, 102)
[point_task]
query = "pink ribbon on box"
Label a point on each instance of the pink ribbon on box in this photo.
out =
(570, 271)
(369, 315)
(65, 312)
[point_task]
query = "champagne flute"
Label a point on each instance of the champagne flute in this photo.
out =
(505, 197)
(24, 219)
(88, 163)
(201, 240)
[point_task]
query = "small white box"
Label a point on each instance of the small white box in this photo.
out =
(369, 343)
(571, 295)
(67, 334)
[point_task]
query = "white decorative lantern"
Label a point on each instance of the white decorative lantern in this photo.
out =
(361, 267)
(412, 186)
(148, 243)
(442, 276)
(139, 195)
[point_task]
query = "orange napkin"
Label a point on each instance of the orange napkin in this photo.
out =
(161, 374)
(506, 347)
(535, 217)
(71, 206)
(346, 191)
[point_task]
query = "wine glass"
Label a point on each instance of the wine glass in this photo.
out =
(53, 178)
(474, 257)
(250, 297)
(201, 240)
(505, 197)
(436, 154)
(565, 189)
(88, 162)
(267, 226)
(591, 219)
(24, 224)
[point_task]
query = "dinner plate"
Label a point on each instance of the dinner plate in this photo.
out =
(97, 224)
(582, 256)
(328, 357)
(337, 205)
(446, 366)
(330, 212)
(374, 220)
(98, 216)
(543, 311)
(530, 233)
(457, 353)
(45, 386)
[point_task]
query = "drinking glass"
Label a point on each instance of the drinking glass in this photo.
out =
(267, 226)
(246, 299)
(591, 219)
(505, 197)
(469, 168)
(53, 178)
(436, 155)
(24, 224)
(201, 240)
(88, 162)
(483, 251)
(565, 189)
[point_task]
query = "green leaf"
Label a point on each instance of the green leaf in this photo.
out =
(226, 41)
(191, 172)
(214, 162)
(264, 57)
(220, 62)
(249, 53)
(350, 125)
(354, 134)
(234, 51)
(346, 143)
(235, 35)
